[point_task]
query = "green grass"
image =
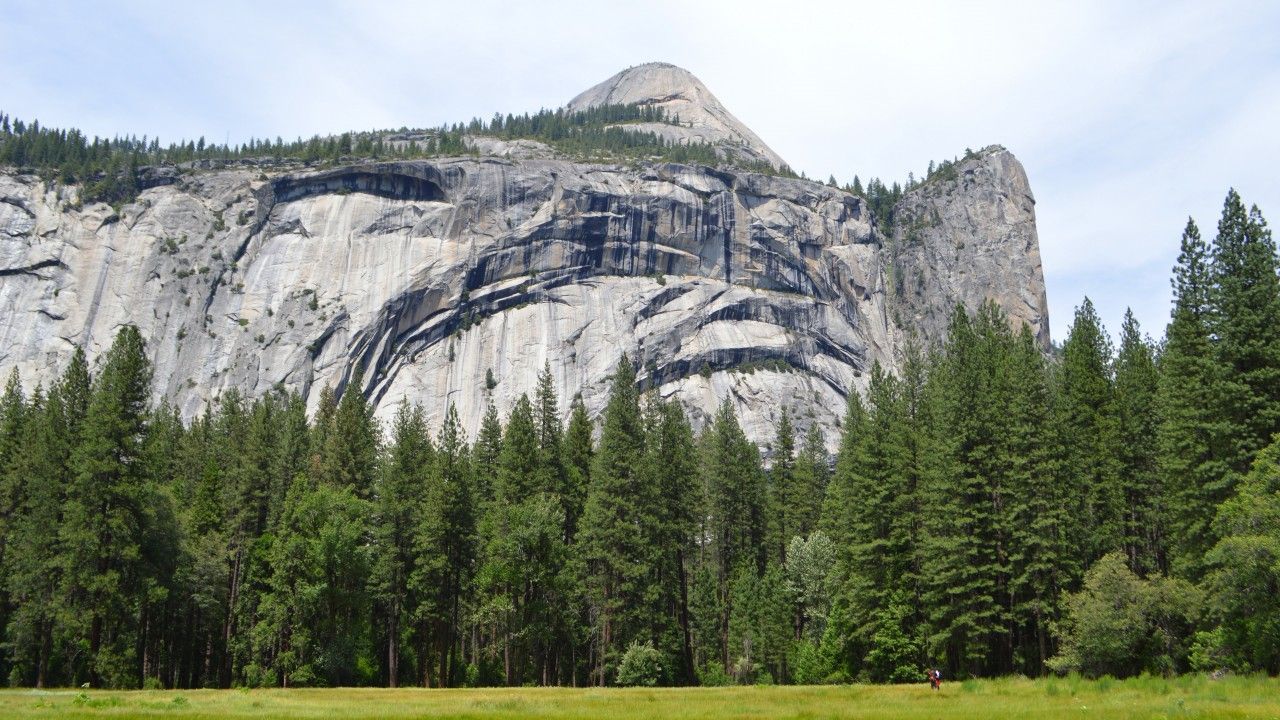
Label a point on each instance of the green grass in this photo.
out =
(1187, 697)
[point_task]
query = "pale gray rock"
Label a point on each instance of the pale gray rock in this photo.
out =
(680, 94)
(511, 149)
(720, 284)
(770, 292)
(965, 239)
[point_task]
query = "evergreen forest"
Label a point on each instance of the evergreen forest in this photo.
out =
(110, 170)
(993, 510)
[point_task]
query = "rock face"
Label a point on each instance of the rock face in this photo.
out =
(767, 291)
(967, 239)
(681, 95)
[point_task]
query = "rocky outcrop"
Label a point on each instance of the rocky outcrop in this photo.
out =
(967, 236)
(681, 96)
(771, 292)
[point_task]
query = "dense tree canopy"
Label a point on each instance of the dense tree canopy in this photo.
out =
(991, 509)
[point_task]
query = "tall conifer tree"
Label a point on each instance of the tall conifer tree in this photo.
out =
(398, 509)
(1137, 450)
(105, 514)
(578, 453)
(1086, 422)
(1244, 317)
(1190, 432)
(784, 493)
(614, 534)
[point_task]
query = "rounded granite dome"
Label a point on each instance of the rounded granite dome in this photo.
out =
(680, 94)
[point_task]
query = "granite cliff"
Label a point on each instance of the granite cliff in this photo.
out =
(721, 283)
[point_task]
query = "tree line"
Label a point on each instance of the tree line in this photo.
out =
(108, 169)
(991, 510)
(882, 199)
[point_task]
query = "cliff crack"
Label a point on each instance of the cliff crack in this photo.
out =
(31, 269)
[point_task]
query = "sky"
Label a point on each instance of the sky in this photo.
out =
(1128, 116)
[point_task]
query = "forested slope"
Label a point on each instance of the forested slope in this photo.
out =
(991, 510)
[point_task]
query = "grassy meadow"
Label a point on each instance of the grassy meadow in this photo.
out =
(1187, 697)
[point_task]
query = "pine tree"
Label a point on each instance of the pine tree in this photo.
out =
(811, 477)
(316, 615)
(1190, 432)
(398, 509)
(578, 453)
(613, 547)
(836, 520)
(759, 629)
(104, 516)
(1086, 421)
(550, 430)
(445, 545)
(351, 449)
(245, 435)
(967, 564)
(292, 457)
(785, 501)
(523, 534)
(1040, 558)
(318, 463)
(13, 412)
(881, 479)
(672, 466)
(870, 566)
(518, 463)
(1137, 450)
(281, 639)
(162, 545)
(485, 454)
(735, 492)
(75, 385)
(1244, 319)
(31, 547)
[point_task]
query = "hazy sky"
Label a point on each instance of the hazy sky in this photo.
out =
(1128, 116)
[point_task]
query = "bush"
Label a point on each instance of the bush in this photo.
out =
(838, 677)
(713, 675)
(745, 671)
(641, 666)
(256, 676)
(1210, 652)
(1120, 624)
(808, 666)
(303, 676)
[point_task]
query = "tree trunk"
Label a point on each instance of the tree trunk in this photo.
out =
(95, 643)
(506, 656)
(146, 644)
(228, 624)
(689, 678)
(426, 663)
(42, 661)
(393, 651)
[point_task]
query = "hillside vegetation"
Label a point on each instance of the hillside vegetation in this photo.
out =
(109, 169)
